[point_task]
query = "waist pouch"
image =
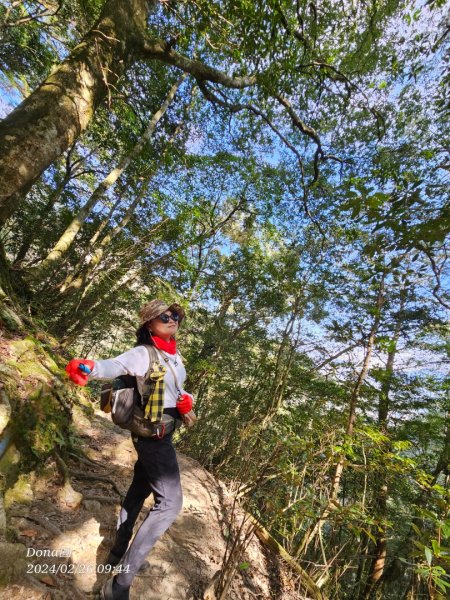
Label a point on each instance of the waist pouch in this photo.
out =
(125, 412)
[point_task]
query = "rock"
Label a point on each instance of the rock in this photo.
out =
(2, 516)
(92, 505)
(83, 542)
(69, 497)
(5, 410)
(13, 561)
(11, 319)
(10, 465)
(21, 492)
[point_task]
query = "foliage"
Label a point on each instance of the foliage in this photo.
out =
(309, 247)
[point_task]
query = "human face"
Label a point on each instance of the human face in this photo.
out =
(163, 330)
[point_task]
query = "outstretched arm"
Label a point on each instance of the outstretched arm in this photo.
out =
(133, 362)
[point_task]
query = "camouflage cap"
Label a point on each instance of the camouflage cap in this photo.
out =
(154, 308)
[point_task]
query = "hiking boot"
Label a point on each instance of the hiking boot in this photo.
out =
(111, 590)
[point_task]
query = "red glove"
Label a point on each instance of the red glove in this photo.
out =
(185, 404)
(75, 374)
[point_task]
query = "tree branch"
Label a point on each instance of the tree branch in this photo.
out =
(236, 107)
(331, 72)
(163, 51)
(437, 270)
(298, 123)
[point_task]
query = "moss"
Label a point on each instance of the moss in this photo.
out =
(21, 492)
(31, 361)
(41, 401)
(11, 535)
(8, 379)
(9, 466)
(5, 410)
(43, 424)
(10, 319)
(14, 563)
(28, 356)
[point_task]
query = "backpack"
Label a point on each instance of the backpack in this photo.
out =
(122, 399)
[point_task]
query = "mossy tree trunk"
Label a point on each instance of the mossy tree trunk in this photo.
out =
(46, 123)
(66, 239)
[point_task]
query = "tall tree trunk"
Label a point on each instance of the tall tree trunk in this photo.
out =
(72, 170)
(380, 491)
(76, 279)
(128, 265)
(90, 304)
(46, 123)
(90, 276)
(67, 283)
(312, 532)
(285, 357)
(66, 239)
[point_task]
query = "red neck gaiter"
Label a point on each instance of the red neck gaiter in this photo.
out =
(170, 347)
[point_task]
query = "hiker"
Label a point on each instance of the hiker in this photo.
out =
(156, 470)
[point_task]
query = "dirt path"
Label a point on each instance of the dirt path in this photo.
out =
(76, 523)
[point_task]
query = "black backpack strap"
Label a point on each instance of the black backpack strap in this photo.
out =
(124, 381)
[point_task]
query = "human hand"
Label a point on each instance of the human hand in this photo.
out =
(185, 404)
(75, 371)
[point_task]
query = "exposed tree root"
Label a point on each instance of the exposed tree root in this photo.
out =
(93, 477)
(42, 521)
(84, 458)
(69, 473)
(104, 499)
(63, 468)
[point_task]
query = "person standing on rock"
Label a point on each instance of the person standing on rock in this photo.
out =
(156, 470)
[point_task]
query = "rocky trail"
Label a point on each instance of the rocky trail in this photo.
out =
(62, 522)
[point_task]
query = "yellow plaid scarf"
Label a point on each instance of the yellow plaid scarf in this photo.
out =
(155, 404)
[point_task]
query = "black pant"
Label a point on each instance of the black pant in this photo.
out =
(156, 471)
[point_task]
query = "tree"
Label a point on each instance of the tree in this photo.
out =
(53, 116)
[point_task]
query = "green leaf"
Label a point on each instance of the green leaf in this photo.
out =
(443, 585)
(428, 555)
(436, 547)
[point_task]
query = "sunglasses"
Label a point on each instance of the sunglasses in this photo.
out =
(166, 318)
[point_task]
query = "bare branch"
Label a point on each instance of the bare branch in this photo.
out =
(163, 51)
(49, 11)
(312, 134)
(437, 270)
(335, 74)
(298, 123)
(236, 107)
(337, 355)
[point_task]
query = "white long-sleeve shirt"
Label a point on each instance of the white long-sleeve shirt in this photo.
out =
(136, 362)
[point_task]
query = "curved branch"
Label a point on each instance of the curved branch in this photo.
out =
(333, 73)
(163, 51)
(298, 123)
(437, 271)
(236, 107)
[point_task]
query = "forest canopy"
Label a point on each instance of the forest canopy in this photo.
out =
(281, 169)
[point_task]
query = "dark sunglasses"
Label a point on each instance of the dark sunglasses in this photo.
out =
(166, 318)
